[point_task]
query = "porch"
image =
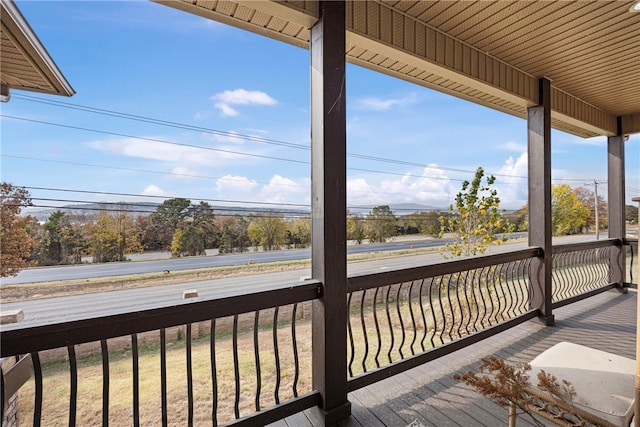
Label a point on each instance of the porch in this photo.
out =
(247, 359)
(429, 393)
(375, 349)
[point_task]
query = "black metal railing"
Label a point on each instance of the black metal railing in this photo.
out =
(631, 254)
(582, 269)
(238, 358)
(399, 319)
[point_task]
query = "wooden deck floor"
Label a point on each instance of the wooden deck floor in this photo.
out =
(430, 395)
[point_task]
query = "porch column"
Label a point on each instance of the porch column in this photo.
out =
(616, 204)
(539, 163)
(329, 212)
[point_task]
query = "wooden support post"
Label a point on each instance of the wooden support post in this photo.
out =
(329, 212)
(539, 149)
(616, 205)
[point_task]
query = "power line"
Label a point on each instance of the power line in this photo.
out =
(143, 138)
(140, 204)
(160, 122)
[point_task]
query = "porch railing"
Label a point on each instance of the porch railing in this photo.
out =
(255, 349)
(242, 348)
(405, 318)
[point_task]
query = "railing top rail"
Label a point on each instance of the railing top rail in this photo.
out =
(630, 241)
(359, 282)
(574, 247)
(17, 340)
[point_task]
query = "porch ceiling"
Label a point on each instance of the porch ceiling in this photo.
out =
(26, 64)
(489, 52)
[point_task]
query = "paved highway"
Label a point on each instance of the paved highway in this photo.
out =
(86, 271)
(62, 309)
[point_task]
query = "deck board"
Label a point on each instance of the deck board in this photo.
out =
(429, 393)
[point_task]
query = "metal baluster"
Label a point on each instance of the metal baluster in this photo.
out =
(105, 383)
(364, 332)
(413, 319)
(474, 290)
(73, 386)
(398, 297)
(386, 304)
(451, 310)
(295, 351)
(163, 376)
(276, 353)
(433, 312)
(37, 402)
(462, 276)
(136, 380)
(375, 321)
(424, 316)
(214, 374)
(352, 345)
(189, 376)
(256, 352)
(236, 368)
(2, 397)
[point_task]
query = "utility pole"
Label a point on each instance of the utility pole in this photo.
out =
(595, 187)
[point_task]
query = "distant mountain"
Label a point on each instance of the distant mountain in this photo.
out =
(145, 208)
(398, 209)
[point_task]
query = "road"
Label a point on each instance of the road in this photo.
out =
(62, 309)
(86, 271)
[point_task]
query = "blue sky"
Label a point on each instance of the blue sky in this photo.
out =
(184, 82)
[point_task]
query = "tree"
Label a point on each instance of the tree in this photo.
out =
(631, 214)
(187, 242)
(587, 197)
(112, 237)
(299, 232)
(381, 224)
(428, 223)
(61, 241)
(233, 234)
(568, 214)
(204, 221)
(173, 212)
(268, 231)
(355, 228)
(475, 218)
(15, 241)
(153, 233)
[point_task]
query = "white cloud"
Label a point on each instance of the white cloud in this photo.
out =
(285, 190)
(184, 173)
(379, 104)
(152, 190)
(230, 185)
(431, 188)
(513, 146)
(162, 151)
(225, 100)
(512, 183)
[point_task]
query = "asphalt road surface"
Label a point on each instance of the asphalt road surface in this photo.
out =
(86, 271)
(62, 309)
(76, 307)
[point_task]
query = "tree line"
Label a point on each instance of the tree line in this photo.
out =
(188, 229)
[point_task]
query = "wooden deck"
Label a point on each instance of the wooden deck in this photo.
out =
(431, 396)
